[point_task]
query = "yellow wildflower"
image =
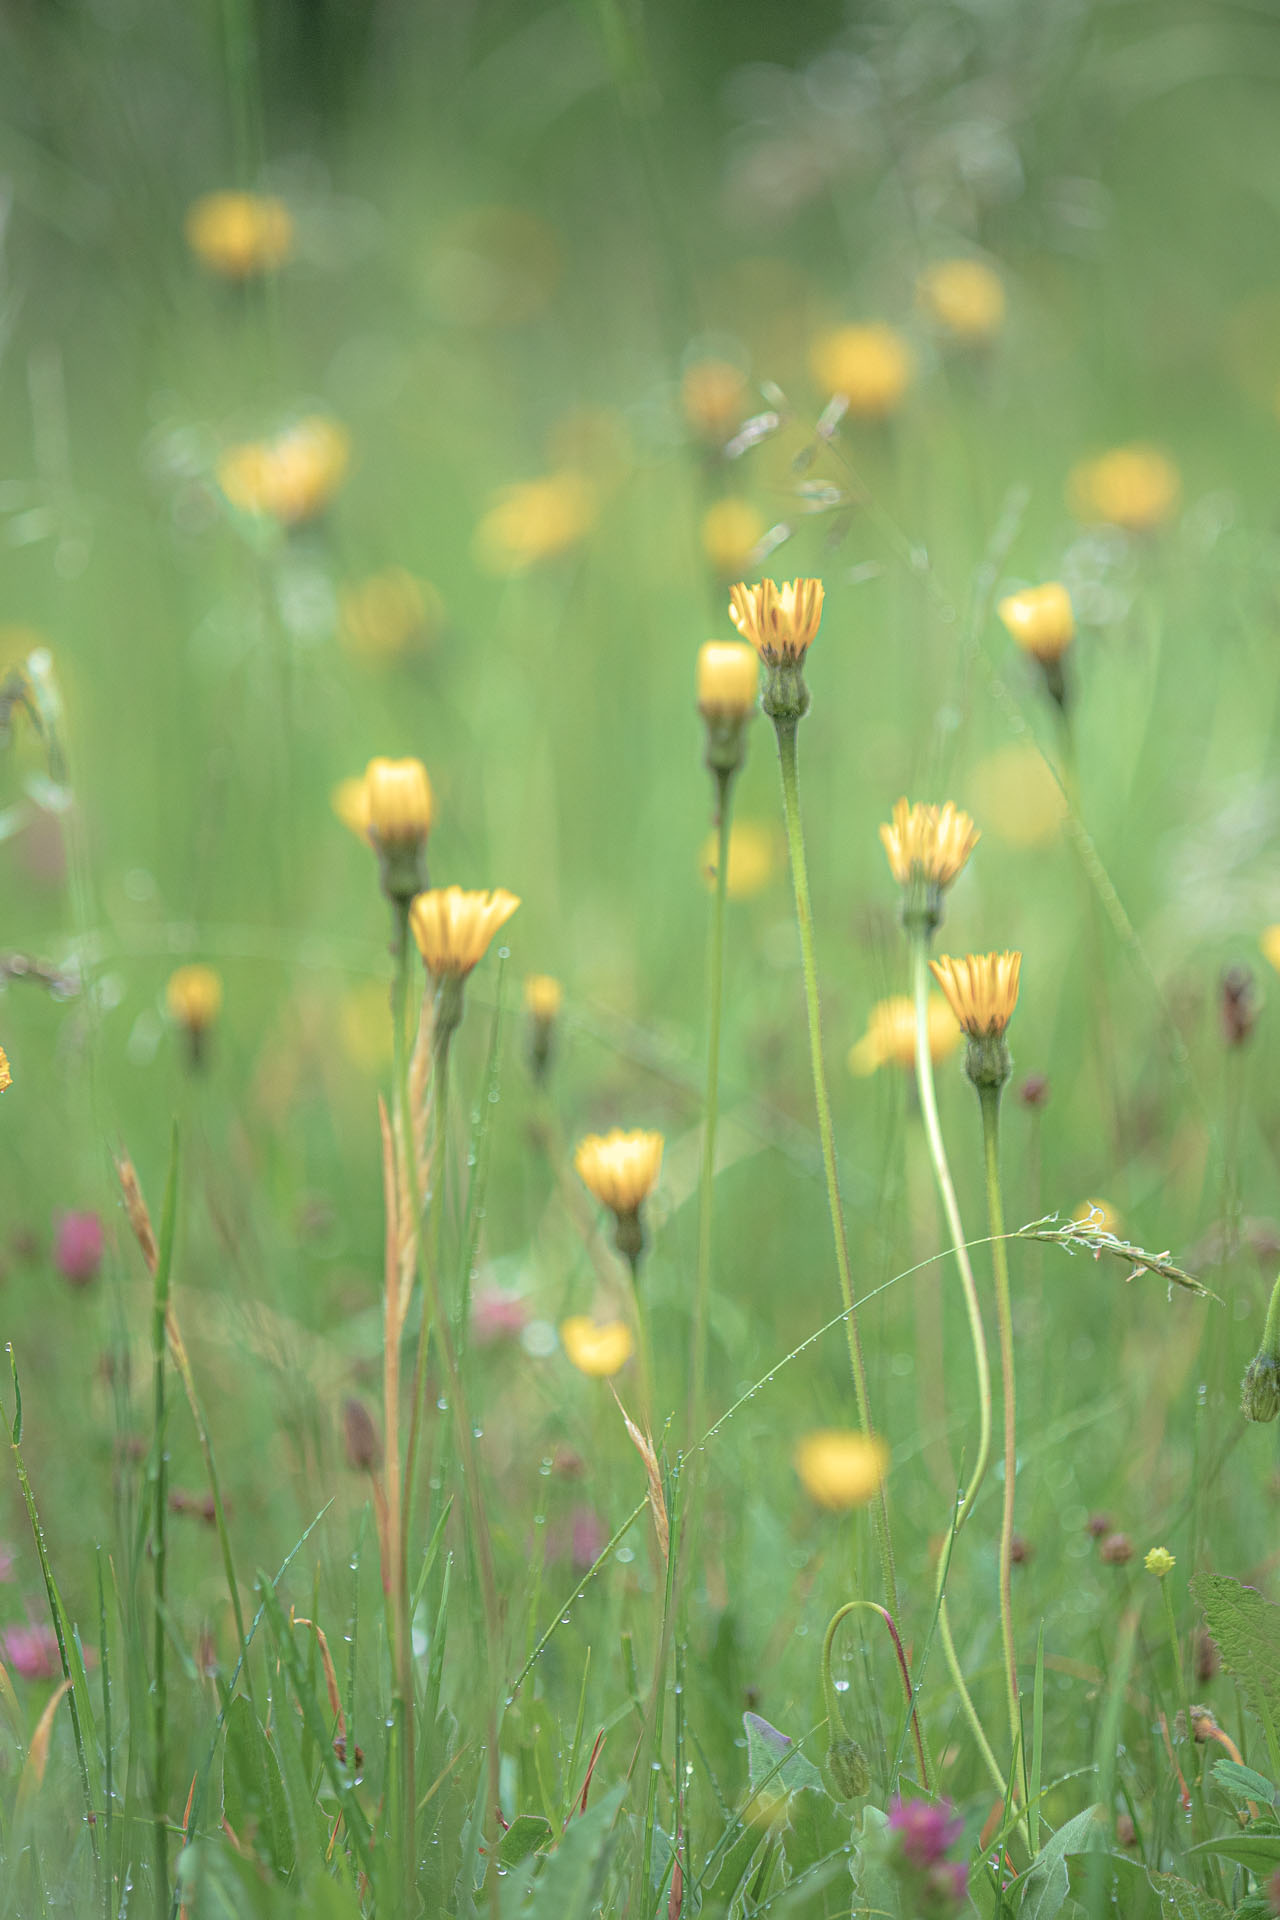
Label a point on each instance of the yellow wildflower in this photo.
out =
(620, 1168)
(1041, 620)
(399, 806)
(6, 1077)
(728, 680)
(598, 1350)
(193, 997)
(869, 366)
(543, 996)
(536, 520)
(1133, 487)
(291, 478)
(963, 297)
(350, 802)
(890, 1039)
(453, 929)
(781, 622)
(1160, 1562)
(239, 234)
(840, 1469)
(981, 990)
(928, 843)
(1270, 944)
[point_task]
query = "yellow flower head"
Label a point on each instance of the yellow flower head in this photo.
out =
(384, 615)
(239, 234)
(963, 297)
(1135, 487)
(728, 680)
(453, 929)
(1270, 944)
(839, 1468)
(597, 1350)
(1041, 620)
(890, 1039)
(869, 366)
(6, 1078)
(732, 529)
(754, 859)
(621, 1169)
(543, 997)
(350, 801)
(779, 621)
(291, 478)
(981, 990)
(193, 996)
(536, 520)
(1160, 1562)
(713, 395)
(928, 843)
(398, 803)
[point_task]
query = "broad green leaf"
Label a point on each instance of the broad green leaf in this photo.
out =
(1258, 1851)
(526, 1834)
(816, 1828)
(876, 1888)
(1045, 1884)
(765, 1748)
(1181, 1900)
(253, 1793)
(1243, 1783)
(1246, 1632)
(572, 1880)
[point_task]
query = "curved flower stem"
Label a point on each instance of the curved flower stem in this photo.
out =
(990, 1099)
(966, 1700)
(711, 1110)
(843, 1613)
(788, 763)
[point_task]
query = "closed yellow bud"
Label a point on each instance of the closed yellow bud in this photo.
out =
(193, 996)
(840, 1469)
(621, 1169)
(597, 1350)
(965, 298)
(870, 367)
(398, 802)
(1041, 620)
(543, 997)
(728, 680)
(1160, 1562)
(239, 234)
(1136, 488)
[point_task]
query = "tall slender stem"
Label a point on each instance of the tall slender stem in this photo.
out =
(159, 1691)
(788, 762)
(405, 1799)
(711, 1110)
(990, 1098)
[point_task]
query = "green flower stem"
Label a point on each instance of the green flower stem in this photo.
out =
(834, 1716)
(788, 762)
(159, 1551)
(1271, 1331)
(990, 1099)
(711, 1110)
(402, 1795)
(1179, 1674)
(966, 1699)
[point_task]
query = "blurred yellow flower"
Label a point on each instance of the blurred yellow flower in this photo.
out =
(453, 929)
(732, 529)
(1133, 487)
(399, 805)
(6, 1078)
(239, 234)
(1041, 620)
(385, 614)
(870, 366)
(364, 1025)
(543, 996)
(779, 621)
(981, 990)
(596, 1349)
(728, 680)
(350, 801)
(535, 520)
(964, 297)
(290, 478)
(932, 842)
(840, 1469)
(890, 1038)
(620, 1168)
(193, 997)
(1018, 797)
(755, 858)
(1097, 1216)
(1270, 944)
(713, 395)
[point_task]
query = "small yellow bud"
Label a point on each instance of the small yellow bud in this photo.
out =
(728, 680)
(1135, 487)
(732, 529)
(193, 996)
(239, 234)
(963, 297)
(543, 997)
(398, 802)
(840, 1469)
(870, 367)
(1160, 1562)
(1041, 620)
(597, 1350)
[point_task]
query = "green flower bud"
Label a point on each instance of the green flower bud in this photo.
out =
(848, 1774)
(1260, 1388)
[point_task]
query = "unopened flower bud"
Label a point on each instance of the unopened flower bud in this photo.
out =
(728, 684)
(398, 812)
(847, 1770)
(360, 1437)
(1260, 1389)
(543, 999)
(1033, 1092)
(1116, 1550)
(1160, 1562)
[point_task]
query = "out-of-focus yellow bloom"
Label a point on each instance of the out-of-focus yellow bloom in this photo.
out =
(536, 520)
(1135, 487)
(6, 1077)
(350, 801)
(1017, 796)
(755, 858)
(453, 929)
(1270, 944)
(239, 235)
(932, 843)
(732, 529)
(1097, 1216)
(713, 395)
(291, 478)
(598, 1350)
(1041, 620)
(890, 1038)
(779, 621)
(399, 806)
(728, 680)
(1160, 1562)
(981, 990)
(964, 297)
(543, 997)
(620, 1168)
(363, 1026)
(870, 366)
(193, 996)
(384, 615)
(840, 1469)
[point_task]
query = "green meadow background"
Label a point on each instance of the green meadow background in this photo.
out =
(517, 225)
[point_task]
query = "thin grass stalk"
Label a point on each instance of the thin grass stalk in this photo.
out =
(108, 1781)
(159, 1687)
(990, 1099)
(403, 1795)
(788, 762)
(711, 1109)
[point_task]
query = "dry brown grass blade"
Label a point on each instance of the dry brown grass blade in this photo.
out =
(657, 1500)
(330, 1676)
(421, 1087)
(136, 1208)
(38, 1751)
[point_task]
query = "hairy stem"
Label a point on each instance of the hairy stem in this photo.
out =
(990, 1098)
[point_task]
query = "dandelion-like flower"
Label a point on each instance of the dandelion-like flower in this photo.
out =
(453, 928)
(399, 804)
(982, 992)
(890, 1038)
(597, 1349)
(1134, 487)
(533, 521)
(291, 478)
(840, 1468)
(239, 235)
(193, 997)
(621, 1169)
(870, 367)
(963, 297)
(926, 847)
(781, 622)
(1041, 620)
(6, 1077)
